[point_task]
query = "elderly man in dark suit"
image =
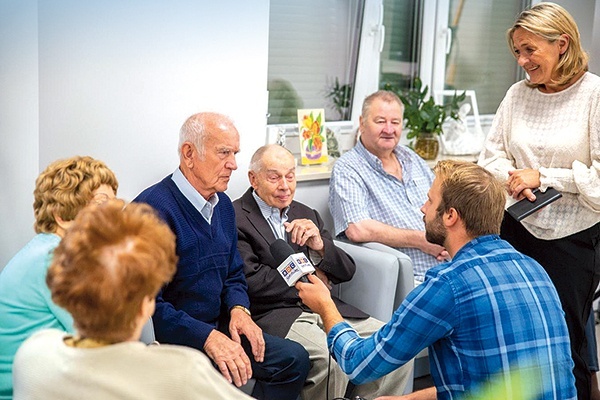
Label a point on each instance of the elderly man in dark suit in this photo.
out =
(267, 212)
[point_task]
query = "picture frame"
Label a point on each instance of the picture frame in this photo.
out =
(312, 136)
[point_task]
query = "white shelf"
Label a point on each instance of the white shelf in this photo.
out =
(314, 172)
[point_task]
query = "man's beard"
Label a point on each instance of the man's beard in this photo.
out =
(435, 231)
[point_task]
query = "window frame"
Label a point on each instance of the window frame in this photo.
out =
(432, 61)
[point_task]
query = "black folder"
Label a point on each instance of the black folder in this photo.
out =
(524, 207)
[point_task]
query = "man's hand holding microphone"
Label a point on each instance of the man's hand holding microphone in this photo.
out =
(297, 271)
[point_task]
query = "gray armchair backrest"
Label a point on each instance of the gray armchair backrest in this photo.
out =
(406, 278)
(148, 333)
(382, 279)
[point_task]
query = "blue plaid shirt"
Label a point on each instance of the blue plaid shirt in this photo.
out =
(489, 314)
(361, 189)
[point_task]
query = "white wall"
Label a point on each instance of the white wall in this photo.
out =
(116, 81)
(585, 13)
(18, 123)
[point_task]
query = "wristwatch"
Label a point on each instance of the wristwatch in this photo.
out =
(244, 309)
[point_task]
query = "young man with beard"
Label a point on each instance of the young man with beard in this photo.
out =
(489, 316)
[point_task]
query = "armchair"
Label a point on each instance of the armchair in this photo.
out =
(383, 278)
(148, 332)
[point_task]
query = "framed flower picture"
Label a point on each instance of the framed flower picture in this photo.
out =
(313, 141)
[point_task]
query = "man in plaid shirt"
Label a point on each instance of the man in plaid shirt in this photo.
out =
(377, 188)
(489, 316)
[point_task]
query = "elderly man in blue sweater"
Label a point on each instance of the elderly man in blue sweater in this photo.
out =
(206, 304)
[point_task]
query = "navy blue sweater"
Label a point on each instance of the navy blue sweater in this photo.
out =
(210, 277)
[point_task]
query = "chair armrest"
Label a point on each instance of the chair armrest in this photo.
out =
(374, 284)
(406, 282)
(406, 278)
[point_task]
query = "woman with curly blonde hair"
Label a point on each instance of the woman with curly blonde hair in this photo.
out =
(63, 189)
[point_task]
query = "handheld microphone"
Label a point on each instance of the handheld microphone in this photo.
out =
(292, 267)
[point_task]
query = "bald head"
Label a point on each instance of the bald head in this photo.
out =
(269, 151)
(272, 174)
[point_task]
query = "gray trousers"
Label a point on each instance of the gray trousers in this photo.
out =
(308, 331)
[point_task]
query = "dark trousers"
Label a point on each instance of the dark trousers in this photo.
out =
(573, 264)
(282, 373)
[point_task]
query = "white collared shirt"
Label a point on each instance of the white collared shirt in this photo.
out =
(204, 207)
(274, 216)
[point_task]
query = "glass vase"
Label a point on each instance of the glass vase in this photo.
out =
(427, 146)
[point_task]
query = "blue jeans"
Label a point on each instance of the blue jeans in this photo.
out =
(282, 373)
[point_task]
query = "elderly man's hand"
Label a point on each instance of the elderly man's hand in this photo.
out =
(242, 324)
(230, 357)
(439, 252)
(323, 277)
(304, 231)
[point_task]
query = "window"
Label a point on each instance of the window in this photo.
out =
(313, 50)
(451, 44)
(365, 44)
(471, 51)
(401, 50)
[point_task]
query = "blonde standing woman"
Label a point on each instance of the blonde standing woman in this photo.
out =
(546, 133)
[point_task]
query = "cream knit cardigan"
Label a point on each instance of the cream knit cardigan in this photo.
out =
(559, 135)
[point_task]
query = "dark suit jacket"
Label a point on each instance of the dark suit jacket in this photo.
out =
(274, 305)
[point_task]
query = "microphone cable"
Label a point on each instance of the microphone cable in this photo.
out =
(328, 372)
(349, 386)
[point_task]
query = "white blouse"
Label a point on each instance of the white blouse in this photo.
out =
(559, 135)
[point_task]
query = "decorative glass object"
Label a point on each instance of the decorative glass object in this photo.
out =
(427, 146)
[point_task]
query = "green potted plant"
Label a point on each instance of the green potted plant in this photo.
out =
(424, 118)
(340, 95)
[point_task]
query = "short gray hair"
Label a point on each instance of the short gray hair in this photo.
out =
(194, 130)
(383, 95)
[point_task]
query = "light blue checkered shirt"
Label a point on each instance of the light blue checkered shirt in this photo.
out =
(489, 312)
(361, 189)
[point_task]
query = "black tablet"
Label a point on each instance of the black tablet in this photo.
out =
(524, 207)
